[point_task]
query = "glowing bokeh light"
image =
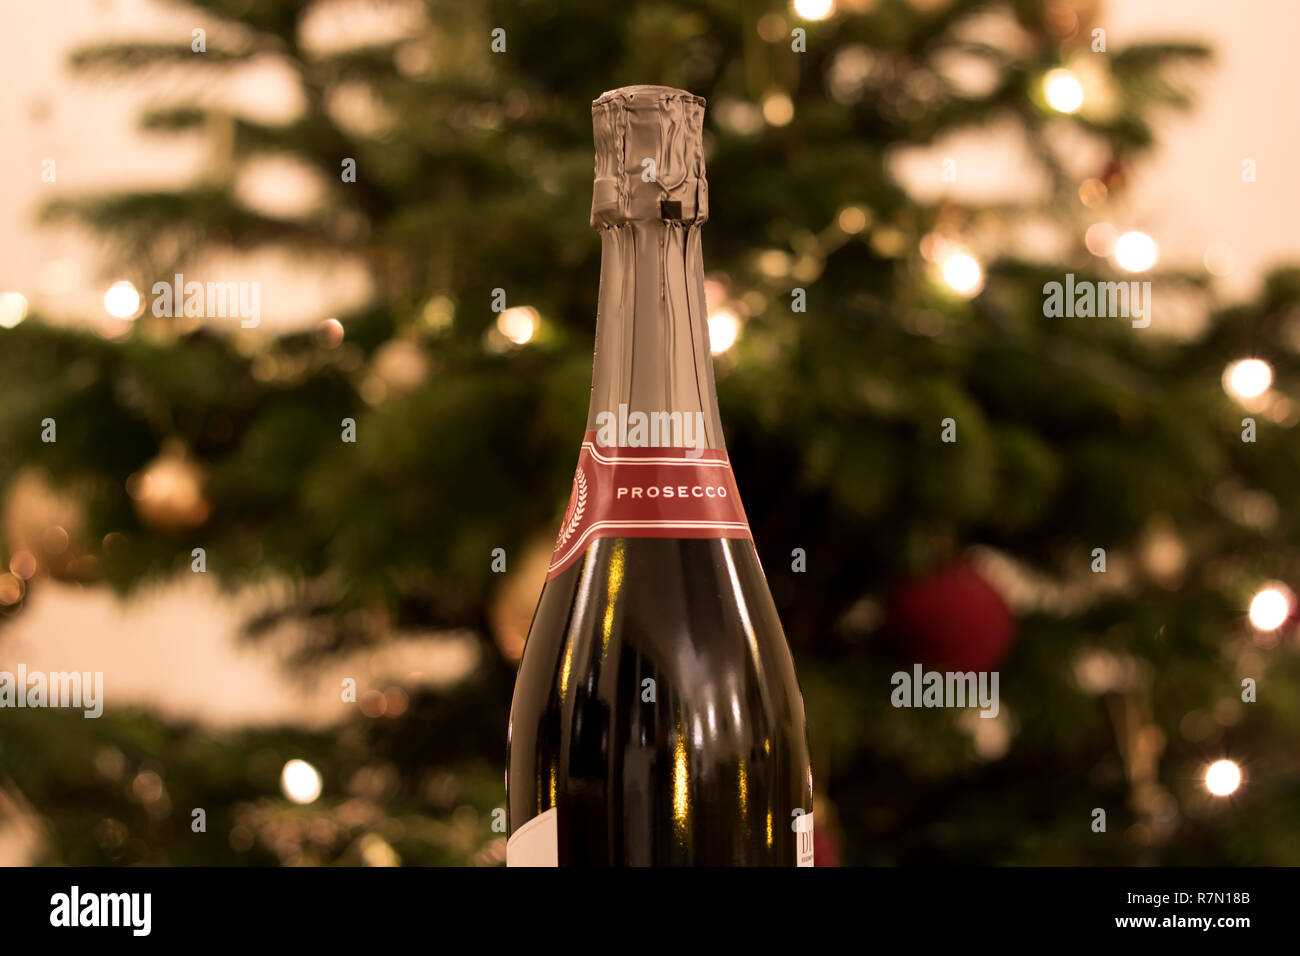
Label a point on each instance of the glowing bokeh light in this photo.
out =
(1270, 607)
(852, 220)
(300, 781)
(1063, 90)
(13, 309)
(1248, 378)
(1222, 778)
(814, 9)
(518, 324)
(778, 109)
(122, 300)
(963, 274)
(1136, 252)
(724, 329)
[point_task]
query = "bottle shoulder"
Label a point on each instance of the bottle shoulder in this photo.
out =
(693, 611)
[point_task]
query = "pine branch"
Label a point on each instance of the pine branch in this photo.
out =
(207, 214)
(134, 58)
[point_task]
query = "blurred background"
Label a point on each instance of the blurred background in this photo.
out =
(304, 637)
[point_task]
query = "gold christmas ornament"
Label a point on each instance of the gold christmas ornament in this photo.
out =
(168, 491)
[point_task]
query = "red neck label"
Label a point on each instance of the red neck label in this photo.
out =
(647, 493)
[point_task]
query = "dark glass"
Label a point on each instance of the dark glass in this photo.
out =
(656, 706)
(713, 769)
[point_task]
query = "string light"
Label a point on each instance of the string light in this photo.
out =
(852, 220)
(518, 324)
(300, 781)
(1270, 607)
(1247, 378)
(1136, 252)
(724, 329)
(1063, 90)
(122, 300)
(773, 263)
(439, 313)
(778, 109)
(1222, 778)
(814, 9)
(962, 274)
(13, 309)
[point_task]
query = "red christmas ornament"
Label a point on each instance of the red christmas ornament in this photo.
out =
(951, 618)
(826, 848)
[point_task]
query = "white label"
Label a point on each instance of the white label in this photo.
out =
(537, 842)
(803, 828)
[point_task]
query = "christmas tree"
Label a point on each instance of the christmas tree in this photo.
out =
(941, 468)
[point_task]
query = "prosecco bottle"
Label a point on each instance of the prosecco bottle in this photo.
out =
(656, 717)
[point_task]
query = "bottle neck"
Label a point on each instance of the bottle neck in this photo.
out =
(652, 380)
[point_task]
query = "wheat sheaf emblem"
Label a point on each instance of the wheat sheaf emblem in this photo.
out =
(579, 505)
